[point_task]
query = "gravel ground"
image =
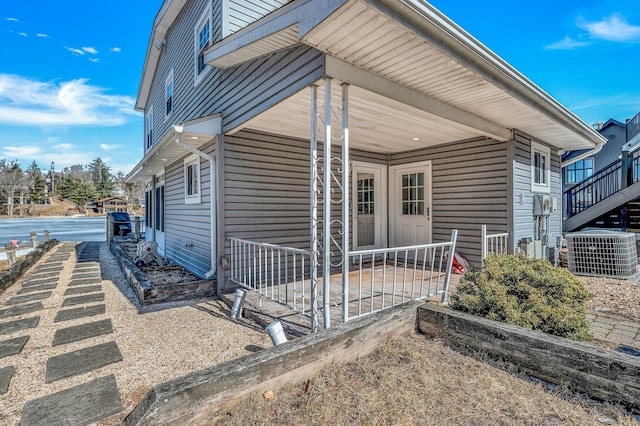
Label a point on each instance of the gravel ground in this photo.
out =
(618, 297)
(156, 346)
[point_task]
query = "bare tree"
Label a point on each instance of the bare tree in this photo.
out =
(13, 182)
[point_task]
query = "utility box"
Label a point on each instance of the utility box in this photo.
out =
(542, 205)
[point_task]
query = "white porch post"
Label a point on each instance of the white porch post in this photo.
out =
(345, 202)
(313, 197)
(326, 218)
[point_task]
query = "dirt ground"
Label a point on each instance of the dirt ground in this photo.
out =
(416, 381)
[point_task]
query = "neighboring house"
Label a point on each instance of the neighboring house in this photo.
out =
(109, 204)
(591, 179)
(442, 134)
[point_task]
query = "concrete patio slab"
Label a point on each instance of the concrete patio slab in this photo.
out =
(39, 287)
(5, 377)
(80, 300)
(12, 347)
(74, 313)
(22, 309)
(82, 331)
(17, 325)
(83, 289)
(28, 298)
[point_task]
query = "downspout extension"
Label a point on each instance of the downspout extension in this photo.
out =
(212, 197)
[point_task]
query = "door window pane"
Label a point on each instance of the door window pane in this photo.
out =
(413, 194)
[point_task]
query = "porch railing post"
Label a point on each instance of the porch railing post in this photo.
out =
(313, 199)
(447, 275)
(345, 202)
(483, 253)
(326, 217)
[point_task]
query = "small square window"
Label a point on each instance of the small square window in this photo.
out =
(540, 168)
(192, 180)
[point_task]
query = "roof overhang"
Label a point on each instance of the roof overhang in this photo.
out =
(164, 19)
(408, 52)
(194, 133)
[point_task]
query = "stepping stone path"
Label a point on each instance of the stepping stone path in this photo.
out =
(82, 292)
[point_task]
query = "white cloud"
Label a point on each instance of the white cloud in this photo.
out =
(116, 49)
(12, 19)
(74, 50)
(109, 147)
(60, 157)
(94, 60)
(566, 43)
(64, 146)
(42, 35)
(25, 102)
(91, 50)
(23, 34)
(612, 28)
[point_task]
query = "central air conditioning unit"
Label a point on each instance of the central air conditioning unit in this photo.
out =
(601, 253)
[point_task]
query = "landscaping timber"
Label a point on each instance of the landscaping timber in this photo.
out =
(601, 373)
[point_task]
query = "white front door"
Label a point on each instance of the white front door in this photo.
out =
(410, 208)
(369, 193)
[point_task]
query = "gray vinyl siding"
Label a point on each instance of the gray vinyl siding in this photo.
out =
(188, 226)
(240, 13)
(469, 189)
(524, 222)
(267, 189)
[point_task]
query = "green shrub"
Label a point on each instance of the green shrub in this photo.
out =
(526, 292)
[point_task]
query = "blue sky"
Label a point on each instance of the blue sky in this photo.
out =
(70, 70)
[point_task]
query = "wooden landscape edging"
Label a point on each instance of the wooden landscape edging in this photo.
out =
(601, 373)
(149, 294)
(200, 396)
(8, 278)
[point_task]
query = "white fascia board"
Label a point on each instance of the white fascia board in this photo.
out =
(348, 73)
(429, 22)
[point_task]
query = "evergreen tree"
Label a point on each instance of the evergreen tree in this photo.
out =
(79, 192)
(101, 178)
(37, 183)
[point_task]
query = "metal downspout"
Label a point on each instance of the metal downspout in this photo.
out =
(584, 155)
(212, 197)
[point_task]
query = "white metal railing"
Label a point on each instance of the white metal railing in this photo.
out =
(281, 274)
(378, 279)
(388, 277)
(493, 243)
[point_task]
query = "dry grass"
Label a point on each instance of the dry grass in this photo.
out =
(415, 381)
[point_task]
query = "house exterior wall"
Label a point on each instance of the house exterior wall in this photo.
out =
(469, 189)
(524, 223)
(187, 226)
(240, 13)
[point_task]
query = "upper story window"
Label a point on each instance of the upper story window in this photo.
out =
(579, 171)
(540, 168)
(192, 180)
(149, 129)
(168, 95)
(202, 34)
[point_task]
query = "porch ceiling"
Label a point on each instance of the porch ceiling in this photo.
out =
(467, 90)
(376, 123)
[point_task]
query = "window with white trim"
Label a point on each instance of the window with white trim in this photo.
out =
(149, 129)
(540, 168)
(192, 180)
(202, 35)
(168, 95)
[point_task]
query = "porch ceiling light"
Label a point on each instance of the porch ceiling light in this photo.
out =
(195, 137)
(416, 139)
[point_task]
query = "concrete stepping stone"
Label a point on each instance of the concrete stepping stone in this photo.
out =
(83, 289)
(13, 346)
(19, 310)
(28, 298)
(82, 331)
(43, 275)
(47, 266)
(39, 287)
(83, 275)
(79, 300)
(17, 325)
(5, 377)
(84, 281)
(84, 311)
(81, 361)
(32, 283)
(80, 405)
